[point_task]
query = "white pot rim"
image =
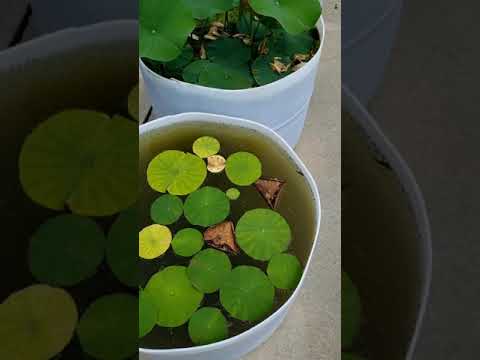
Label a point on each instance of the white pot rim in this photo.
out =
(303, 70)
(279, 141)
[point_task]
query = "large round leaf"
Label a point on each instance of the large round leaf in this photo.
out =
(208, 270)
(203, 9)
(247, 294)
(82, 159)
(147, 313)
(177, 172)
(225, 76)
(228, 51)
(164, 29)
(122, 245)
(282, 43)
(36, 323)
(66, 250)
(243, 168)
(351, 311)
(207, 325)
(191, 73)
(284, 271)
(206, 207)
(108, 329)
(174, 296)
(166, 209)
(262, 69)
(295, 16)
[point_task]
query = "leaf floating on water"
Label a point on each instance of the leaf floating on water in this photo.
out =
(243, 168)
(222, 237)
(208, 270)
(270, 189)
(154, 241)
(207, 206)
(284, 271)
(206, 146)
(207, 326)
(187, 242)
(216, 164)
(233, 194)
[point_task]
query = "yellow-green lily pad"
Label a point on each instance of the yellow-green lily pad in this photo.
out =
(206, 146)
(154, 241)
(243, 168)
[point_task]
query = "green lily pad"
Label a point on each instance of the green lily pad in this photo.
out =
(262, 69)
(122, 247)
(191, 73)
(205, 9)
(295, 16)
(108, 329)
(174, 296)
(164, 29)
(243, 168)
(206, 207)
(228, 51)
(208, 270)
(166, 210)
(281, 43)
(347, 356)
(175, 67)
(247, 294)
(133, 103)
(284, 271)
(84, 160)
(351, 311)
(227, 77)
(233, 194)
(263, 233)
(206, 146)
(177, 172)
(147, 313)
(187, 242)
(154, 241)
(207, 326)
(66, 250)
(36, 323)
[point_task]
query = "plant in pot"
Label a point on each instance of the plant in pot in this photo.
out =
(222, 251)
(254, 59)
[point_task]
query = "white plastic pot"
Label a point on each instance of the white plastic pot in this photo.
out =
(281, 106)
(236, 347)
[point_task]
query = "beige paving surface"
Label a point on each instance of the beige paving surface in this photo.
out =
(311, 330)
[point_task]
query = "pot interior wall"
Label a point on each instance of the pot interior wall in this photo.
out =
(296, 203)
(381, 249)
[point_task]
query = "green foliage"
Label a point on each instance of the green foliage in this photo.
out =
(287, 45)
(243, 168)
(166, 210)
(207, 325)
(229, 52)
(66, 250)
(192, 72)
(206, 146)
(263, 233)
(206, 207)
(233, 194)
(224, 76)
(262, 69)
(205, 9)
(75, 159)
(208, 270)
(247, 294)
(36, 323)
(244, 26)
(147, 313)
(351, 311)
(187, 242)
(175, 67)
(284, 271)
(108, 329)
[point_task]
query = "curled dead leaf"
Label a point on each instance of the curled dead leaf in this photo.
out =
(218, 24)
(216, 164)
(210, 37)
(278, 66)
(222, 237)
(301, 57)
(270, 189)
(203, 52)
(263, 48)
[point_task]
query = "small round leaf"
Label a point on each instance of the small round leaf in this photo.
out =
(206, 146)
(147, 313)
(207, 326)
(233, 194)
(263, 233)
(247, 294)
(243, 168)
(206, 207)
(187, 242)
(208, 270)
(154, 241)
(284, 271)
(166, 210)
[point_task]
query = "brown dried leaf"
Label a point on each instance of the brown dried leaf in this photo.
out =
(222, 237)
(216, 164)
(278, 66)
(301, 57)
(270, 189)
(218, 24)
(263, 48)
(209, 37)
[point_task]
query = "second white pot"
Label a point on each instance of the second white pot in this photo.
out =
(282, 106)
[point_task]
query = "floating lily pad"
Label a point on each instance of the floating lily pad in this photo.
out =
(36, 323)
(163, 29)
(208, 270)
(284, 271)
(351, 311)
(296, 16)
(154, 241)
(228, 51)
(208, 8)
(226, 76)
(147, 313)
(247, 294)
(174, 296)
(166, 209)
(191, 73)
(206, 207)
(243, 168)
(84, 160)
(263, 72)
(207, 326)
(233, 193)
(206, 146)
(122, 247)
(66, 250)
(108, 329)
(133, 103)
(187, 242)
(177, 172)
(263, 233)
(175, 67)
